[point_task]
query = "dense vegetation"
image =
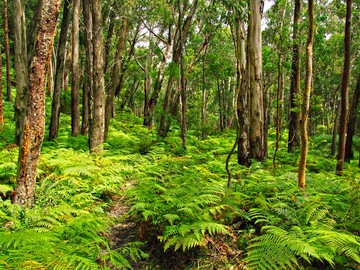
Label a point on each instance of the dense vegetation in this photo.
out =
(224, 160)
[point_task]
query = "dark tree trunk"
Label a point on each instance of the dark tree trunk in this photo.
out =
(75, 74)
(344, 90)
(98, 119)
(34, 24)
(128, 93)
(241, 100)
(88, 85)
(8, 69)
(32, 137)
(108, 39)
(293, 139)
(21, 67)
(306, 98)
(349, 154)
(67, 64)
(59, 75)
(114, 77)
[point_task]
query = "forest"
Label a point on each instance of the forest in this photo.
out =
(179, 134)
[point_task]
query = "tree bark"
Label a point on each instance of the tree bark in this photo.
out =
(349, 154)
(88, 85)
(33, 28)
(32, 137)
(59, 75)
(75, 72)
(293, 139)
(21, 67)
(256, 99)
(306, 98)
(98, 112)
(7, 59)
(115, 76)
(344, 90)
(242, 110)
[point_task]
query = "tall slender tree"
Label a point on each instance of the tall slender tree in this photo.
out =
(293, 138)
(88, 85)
(7, 53)
(59, 75)
(32, 137)
(306, 98)
(257, 132)
(98, 112)
(75, 74)
(344, 89)
(21, 67)
(115, 76)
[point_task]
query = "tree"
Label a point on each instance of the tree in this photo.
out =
(257, 132)
(306, 98)
(344, 89)
(97, 127)
(59, 75)
(88, 85)
(349, 154)
(75, 74)
(32, 137)
(115, 76)
(293, 139)
(21, 67)
(8, 72)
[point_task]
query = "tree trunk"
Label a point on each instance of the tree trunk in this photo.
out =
(108, 40)
(1, 90)
(349, 154)
(8, 69)
(32, 31)
(32, 137)
(88, 85)
(242, 110)
(306, 98)
(21, 67)
(256, 100)
(67, 64)
(75, 72)
(60, 66)
(115, 76)
(128, 93)
(344, 90)
(204, 97)
(98, 119)
(293, 139)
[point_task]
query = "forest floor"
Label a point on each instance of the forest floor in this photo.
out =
(169, 208)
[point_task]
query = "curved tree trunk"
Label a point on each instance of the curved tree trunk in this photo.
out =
(75, 74)
(21, 67)
(98, 111)
(293, 139)
(344, 90)
(59, 75)
(32, 137)
(306, 98)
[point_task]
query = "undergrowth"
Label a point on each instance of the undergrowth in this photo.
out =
(180, 201)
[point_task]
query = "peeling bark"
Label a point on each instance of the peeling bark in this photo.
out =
(32, 137)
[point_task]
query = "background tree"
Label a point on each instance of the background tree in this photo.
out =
(7, 52)
(306, 97)
(344, 89)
